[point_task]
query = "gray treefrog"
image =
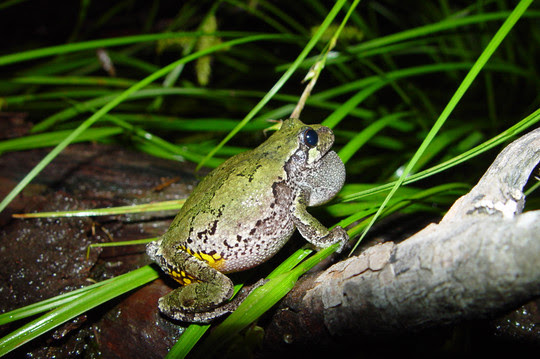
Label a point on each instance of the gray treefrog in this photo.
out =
(243, 212)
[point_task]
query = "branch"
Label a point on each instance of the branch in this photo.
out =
(481, 259)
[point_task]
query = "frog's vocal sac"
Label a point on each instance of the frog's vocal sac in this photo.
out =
(243, 212)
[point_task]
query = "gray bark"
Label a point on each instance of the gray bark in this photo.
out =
(482, 258)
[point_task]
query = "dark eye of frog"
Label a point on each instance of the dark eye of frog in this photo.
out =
(310, 137)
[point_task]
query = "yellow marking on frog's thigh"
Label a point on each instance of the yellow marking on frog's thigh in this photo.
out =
(182, 277)
(199, 256)
(177, 276)
(186, 249)
(214, 260)
(207, 257)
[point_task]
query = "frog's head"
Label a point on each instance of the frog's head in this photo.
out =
(308, 143)
(310, 163)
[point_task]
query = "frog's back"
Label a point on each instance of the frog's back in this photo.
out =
(238, 215)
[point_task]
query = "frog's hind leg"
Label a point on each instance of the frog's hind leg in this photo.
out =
(208, 316)
(204, 289)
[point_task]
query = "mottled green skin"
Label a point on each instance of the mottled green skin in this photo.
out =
(243, 212)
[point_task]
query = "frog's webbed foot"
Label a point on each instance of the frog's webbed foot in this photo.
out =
(167, 307)
(338, 235)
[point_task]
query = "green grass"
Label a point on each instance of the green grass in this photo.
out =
(408, 97)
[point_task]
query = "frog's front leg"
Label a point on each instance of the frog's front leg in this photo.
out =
(313, 230)
(203, 291)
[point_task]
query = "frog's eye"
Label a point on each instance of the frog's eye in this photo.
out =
(310, 137)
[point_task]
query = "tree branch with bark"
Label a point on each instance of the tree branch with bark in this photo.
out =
(479, 260)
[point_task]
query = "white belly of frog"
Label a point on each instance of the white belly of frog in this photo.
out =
(262, 242)
(242, 213)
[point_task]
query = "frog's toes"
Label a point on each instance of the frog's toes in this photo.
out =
(340, 236)
(196, 317)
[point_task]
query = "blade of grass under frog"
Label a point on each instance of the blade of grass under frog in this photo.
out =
(119, 244)
(138, 208)
(291, 262)
(194, 332)
(258, 302)
(115, 287)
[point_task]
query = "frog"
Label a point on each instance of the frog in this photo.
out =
(242, 213)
